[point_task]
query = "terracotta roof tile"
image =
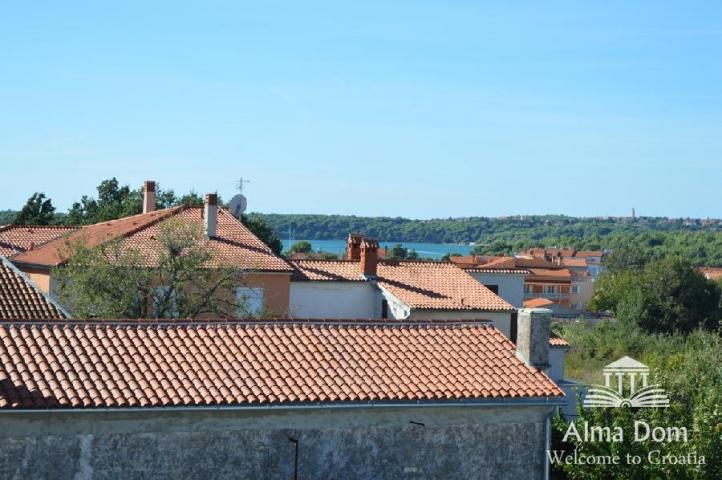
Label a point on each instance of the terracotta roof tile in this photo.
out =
(539, 302)
(234, 244)
(557, 341)
(712, 273)
(16, 239)
(438, 286)
(20, 299)
(115, 364)
(422, 285)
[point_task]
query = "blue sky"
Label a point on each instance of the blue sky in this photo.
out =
(419, 109)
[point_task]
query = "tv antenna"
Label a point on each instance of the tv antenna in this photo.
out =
(241, 181)
(237, 205)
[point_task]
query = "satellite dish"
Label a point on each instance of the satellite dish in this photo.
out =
(237, 205)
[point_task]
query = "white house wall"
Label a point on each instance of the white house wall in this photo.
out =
(334, 300)
(511, 286)
(501, 320)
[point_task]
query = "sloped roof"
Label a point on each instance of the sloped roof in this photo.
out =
(437, 286)
(712, 273)
(557, 341)
(327, 270)
(112, 364)
(418, 284)
(537, 302)
(574, 262)
(549, 275)
(20, 299)
(16, 239)
(589, 253)
(234, 244)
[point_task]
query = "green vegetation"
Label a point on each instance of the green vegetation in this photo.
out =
(38, 210)
(688, 367)
(399, 252)
(112, 281)
(667, 295)
(300, 247)
(700, 241)
(668, 317)
(116, 201)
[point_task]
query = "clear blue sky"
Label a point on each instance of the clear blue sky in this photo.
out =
(420, 109)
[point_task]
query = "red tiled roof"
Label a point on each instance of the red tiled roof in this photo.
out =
(574, 262)
(537, 302)
(517, 271)
(589, 253)
(557, 341)
(421, 285)
(327, 270)
(112, 364)
(20, 299)
(15, 239)
(712, 273)
(437, 286)
(234, 245)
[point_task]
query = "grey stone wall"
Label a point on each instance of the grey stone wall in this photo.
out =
(461, 442)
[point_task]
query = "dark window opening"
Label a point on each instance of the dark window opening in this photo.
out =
(384, 309)
(493, 288)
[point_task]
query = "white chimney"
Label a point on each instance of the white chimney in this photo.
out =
(210, 213)
(532, 336)
(148, 196)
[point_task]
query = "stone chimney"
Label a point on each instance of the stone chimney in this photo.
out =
(210, 214)
(149, 196)
(532, 336)
(353, 247)
(369, 257)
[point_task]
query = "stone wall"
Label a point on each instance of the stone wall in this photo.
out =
(430, 442)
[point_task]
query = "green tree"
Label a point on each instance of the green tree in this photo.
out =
(301, 247)
(114, 281)
(667, 295)
(687, 367)
(262, 230)
(38, 210)
(398, 252)
(114, 201)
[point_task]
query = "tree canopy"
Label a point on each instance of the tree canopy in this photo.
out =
(38, 210)
(113, 281)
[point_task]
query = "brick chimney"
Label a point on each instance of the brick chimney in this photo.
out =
(353, 247)
(369, 257)
(149, 196)
(532, 336)
(210, 214)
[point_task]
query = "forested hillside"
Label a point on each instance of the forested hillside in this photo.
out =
(696, 239)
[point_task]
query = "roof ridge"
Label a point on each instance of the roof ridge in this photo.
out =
(285, 322)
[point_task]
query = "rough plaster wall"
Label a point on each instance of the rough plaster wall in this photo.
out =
(511, 286)
(499, 450)
(334, 300)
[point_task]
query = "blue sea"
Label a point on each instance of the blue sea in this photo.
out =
(431, 250)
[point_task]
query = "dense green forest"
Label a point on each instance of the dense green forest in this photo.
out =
(698, 240)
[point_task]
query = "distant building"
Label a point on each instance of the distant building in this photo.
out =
(711, 273)
(366, 287)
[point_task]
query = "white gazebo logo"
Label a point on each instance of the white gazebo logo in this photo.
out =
(638, 392)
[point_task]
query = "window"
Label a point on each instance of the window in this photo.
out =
(384, 309)
(550, 289)
(493, 288)
(250, 301)
(575, 289)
